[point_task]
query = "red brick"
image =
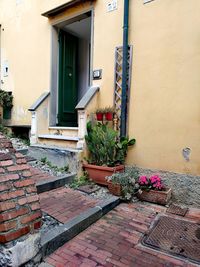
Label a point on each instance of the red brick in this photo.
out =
(9, 215)
(32, 198)
(26, 174)
(37, 225)
(9, 177)
(18, 168)
(31, 189)
(21, 161)
(6, 163)
(35, 206)
(22, 201)
(4, 238)
(5, 156)
(19, 155)
(7, 205)
(28, 199)
(13, 194)
(24, 183)
(31, 217)
(4, 187)
(4, 227)
(2, 170)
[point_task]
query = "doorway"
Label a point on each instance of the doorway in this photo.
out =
(74, 75)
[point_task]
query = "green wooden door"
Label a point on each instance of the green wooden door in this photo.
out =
(67, 92)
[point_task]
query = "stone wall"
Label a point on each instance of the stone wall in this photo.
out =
(20, 214)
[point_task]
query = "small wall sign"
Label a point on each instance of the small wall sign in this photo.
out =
(97, 74)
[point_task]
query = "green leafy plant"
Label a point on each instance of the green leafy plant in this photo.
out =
(99, 110)
(128, 180)
(3, 129)
(104, 147)
(109, 109)
(54, 167)
(122, 148)
(82, 180)
(6, 99)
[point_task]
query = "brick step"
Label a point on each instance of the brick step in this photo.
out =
(75, 210)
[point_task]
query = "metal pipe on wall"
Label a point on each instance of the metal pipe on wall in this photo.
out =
(124, 70)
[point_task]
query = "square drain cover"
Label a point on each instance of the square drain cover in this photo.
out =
(176, 237)
(175, 209)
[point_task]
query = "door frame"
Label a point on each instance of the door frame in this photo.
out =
(54, 59)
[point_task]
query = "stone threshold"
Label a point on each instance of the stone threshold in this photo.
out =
(57, 237)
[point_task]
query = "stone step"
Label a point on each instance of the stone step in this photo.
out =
(59, 137)
(54, 182)
(61, 141)
(66, 131)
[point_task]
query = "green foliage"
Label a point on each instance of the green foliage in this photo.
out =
(128, 181)
(3, 129)
(6, 99)
(83, 180)
(56, 168)
(104, 147)
(109, 109)
(122, 148)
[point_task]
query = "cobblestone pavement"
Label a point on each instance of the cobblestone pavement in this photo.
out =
(114, 240)
(64, 203)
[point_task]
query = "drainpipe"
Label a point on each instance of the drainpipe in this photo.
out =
(124, 70)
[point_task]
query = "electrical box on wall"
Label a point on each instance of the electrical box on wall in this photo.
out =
(97, 74)
(5, 68)
(112, 5)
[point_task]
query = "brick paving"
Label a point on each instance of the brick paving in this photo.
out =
(114, 240)
(64, 203)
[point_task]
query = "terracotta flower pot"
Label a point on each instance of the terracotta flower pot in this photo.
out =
(109, 116)
(115, 189)
(159, 197)
(98, 173)
(99, 116)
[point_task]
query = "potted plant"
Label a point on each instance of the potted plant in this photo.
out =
(106, 153)
(6, 101)
(109, 113)
(153, 190)
(99, 114)
(124, 184)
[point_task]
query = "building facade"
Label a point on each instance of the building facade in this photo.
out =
(48, 46)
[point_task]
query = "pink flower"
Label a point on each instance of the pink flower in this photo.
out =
(143, 180)
(154, 179)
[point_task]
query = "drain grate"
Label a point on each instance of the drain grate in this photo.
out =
(175, 209)
(177, 237)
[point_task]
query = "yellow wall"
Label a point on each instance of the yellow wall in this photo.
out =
(165, 92)
(25, 44)
(164, 112)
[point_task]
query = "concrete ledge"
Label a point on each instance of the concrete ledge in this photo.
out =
(57, 237)
(58, 137)
(55, 182)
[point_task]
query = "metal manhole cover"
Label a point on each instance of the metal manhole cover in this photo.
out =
(175, 209)
(177, 237)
